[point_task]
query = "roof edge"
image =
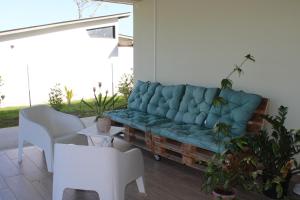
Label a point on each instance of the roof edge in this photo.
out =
(69, 22)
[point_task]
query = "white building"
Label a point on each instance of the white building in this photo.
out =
(77, 54)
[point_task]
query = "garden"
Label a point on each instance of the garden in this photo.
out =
(62, 99)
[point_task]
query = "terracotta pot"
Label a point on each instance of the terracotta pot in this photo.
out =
(103, 125)
(221, 195)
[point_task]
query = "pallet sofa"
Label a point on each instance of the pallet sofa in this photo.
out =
(176, 121)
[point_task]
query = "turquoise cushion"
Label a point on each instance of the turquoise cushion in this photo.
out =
(140, 96)
(135, 119)
(195, 104)
(237, 112)
(190, 134)
(165, 101)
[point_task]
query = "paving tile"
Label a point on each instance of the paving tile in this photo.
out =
(47, 183)
(22, 188)
(2, 183)
(12, 153)
(164, 180)
(7, 168)
(42, 190)
(6, 194)
(37, 156)
(28, 168)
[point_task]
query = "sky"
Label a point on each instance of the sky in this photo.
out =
(24, 13)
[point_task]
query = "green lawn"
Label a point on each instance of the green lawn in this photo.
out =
(9, 116)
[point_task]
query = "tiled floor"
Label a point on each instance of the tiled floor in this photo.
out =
(164, 180)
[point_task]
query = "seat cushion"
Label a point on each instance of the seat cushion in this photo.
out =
(237, 111)
(165, 101)
(140, 96)
(195, 104)
(136, 119)
(190, 134)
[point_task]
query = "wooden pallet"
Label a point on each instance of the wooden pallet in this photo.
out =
(186, 154)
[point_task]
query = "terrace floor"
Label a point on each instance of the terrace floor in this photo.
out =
(164, 180)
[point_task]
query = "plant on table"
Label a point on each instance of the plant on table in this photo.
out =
(224, 171)
(275, 150)
(69, 95)
(100, 105)
(56, 97)
(1, 95)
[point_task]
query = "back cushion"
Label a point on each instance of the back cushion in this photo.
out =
(165, 101)
(141, 94)
(195, 104)
(237, 112)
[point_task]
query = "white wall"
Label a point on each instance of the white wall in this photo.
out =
(198, 42)
(69, 57)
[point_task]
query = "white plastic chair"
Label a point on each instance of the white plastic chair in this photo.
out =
(102, 169)
(43, 126)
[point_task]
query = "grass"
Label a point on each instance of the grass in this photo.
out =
(9, 116)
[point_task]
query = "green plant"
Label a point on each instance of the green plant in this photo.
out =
(56, 97)
(224, 171)
(101, 103)
(217, 178)
(69, 95)
(226, 83)
(125, 85)
(275, 150)
(1, 95)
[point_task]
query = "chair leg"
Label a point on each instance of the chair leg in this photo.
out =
(20, 147)
(58, 193)
(140, 184)
(49, 160)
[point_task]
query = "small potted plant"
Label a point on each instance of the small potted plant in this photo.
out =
(100, 105)
(275, 150)
(224, 171)
(228, 169)
(220, 177)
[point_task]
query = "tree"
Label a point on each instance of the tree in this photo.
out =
(83, 5)
(1, 95)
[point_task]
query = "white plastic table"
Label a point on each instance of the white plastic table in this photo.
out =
(107, 138)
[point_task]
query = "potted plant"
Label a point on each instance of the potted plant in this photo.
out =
(228, 169)
(220, 175)
(100, 105)
(224, 171)
(275, 150)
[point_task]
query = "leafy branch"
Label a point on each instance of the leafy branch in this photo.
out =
(227, 83)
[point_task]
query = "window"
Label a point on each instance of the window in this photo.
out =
(103, 32)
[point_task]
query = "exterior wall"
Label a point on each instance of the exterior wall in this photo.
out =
(68, 57)
(198, 42)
